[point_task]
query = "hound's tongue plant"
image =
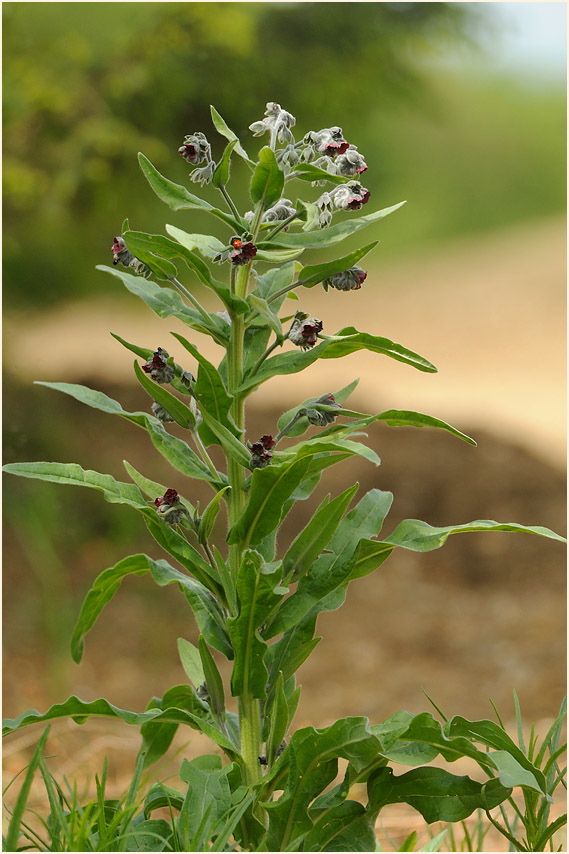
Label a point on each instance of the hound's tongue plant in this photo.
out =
(254, 605)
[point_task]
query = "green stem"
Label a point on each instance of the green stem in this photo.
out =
(286, 290)
(262, 358)
(250, 723)
(230, 202)
(204, 455)
(281, 225)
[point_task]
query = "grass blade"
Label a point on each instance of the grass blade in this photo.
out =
(17, 815)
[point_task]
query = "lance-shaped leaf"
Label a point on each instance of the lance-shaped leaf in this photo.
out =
(99, 400)
(107, 583)
(80, 711)
(256, 596)
(302, 424)
(270, 488)
(208, 798)
(347, 341)
(322, 444)
(222, 128)
(313, 275)
(166, 302)
(277, 718)
(310, 172)
(333, 234)
(181, 457)
(223, 168)
(178, 410)
(312, 764)
(191, 662)
(308, 544)
(115, 492)
(436, 794)
(207, 244)
(211, 393)
(178, 197)
(288, 653)
(209, 516)
(164, 246)
(263, 315)
(267, 182)
(228, 441)
(157, 736)
(278, 256)
(275, 280)
(213, 680)
(407, 418)
(161, 267)
(177, 546)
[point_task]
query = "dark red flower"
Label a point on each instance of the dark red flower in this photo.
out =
(243, 253)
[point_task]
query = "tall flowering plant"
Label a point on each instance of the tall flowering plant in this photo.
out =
(255, 604)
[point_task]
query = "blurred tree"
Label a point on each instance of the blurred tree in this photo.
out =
(86, 85)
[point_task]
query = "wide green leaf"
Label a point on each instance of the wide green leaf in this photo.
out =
(270, 488)
(115, 492)
(191, 662)
(344, 827)
(207, 244)
(166, 302)
(80, 711)
(256, 595)
(178, 197)
(435, 793)
(310, 172)
(333, 234)
(267, 182)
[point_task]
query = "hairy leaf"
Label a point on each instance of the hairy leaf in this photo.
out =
(267, 182)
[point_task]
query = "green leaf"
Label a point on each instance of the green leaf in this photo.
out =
(288, 653)
(267, 182)
(262, 312)
(256, 596)
(347, 341)
(310, 172)
(151, 488)
(222, 170)
(213, 680)
(407, 418)
(419, 536)
(344, 827)
(313, 764)
(211, 394)
(13, 835)
(302, 424)
(178, 410)
(191, 662)
(178, 197)
(158, 244)
(98, 400)
(333, 234)
(72, 474)
(278, 718)
(207, 244)
(270, 488)
(209, 516)
(222, 128)
(511, 772)
(313, 275)
(182, 457)
(166, 302)
(317, 534)
(107, 583)
(323, 444)
(79, 710)
(161, 268)
(435, 793)
(177, 546)
(230, 443)
(278, 256)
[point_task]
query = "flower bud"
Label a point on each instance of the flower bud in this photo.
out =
(279, 211)
(277, 121)
(325, 209)
(350, 197)
(350, 163)
(161, 413)
(170, 508)
(347, 280)
(158, 367)
(318, 417)
(121, 255)
(203, 693)
(328, 141)
(204, 175)
(304, 332)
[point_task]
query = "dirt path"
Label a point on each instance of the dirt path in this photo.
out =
(488, 311)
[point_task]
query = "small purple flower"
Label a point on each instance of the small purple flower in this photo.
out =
(329, 141)
(158, 367)
(347, 280)
(240, 251)
(350, 197)
(261, 452)
(304, 331)
(195, 149)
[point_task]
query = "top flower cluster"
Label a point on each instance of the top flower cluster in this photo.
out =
(326, 149)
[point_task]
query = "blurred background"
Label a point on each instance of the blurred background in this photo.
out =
(458, 108)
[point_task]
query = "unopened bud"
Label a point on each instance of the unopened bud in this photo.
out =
(170, 508)
(121, 255)
(158, 367)
(161, 413)
(347, 280)
(304, 333)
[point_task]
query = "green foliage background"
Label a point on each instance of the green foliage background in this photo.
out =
(87, 85)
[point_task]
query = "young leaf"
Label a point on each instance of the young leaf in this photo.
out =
(209, 516)
(263, 313)
(222, 170)
(267, 182)
(313, 275)
(222, 128)
(256, 596)
(278, 717)
(213, 680)
(191, 662)
(310, 172)
(207, 244)
(177, 197)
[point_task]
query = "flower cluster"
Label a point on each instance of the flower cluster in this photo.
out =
(261, 452)
(304, 330)
(121, 255)
(281, 210)
(240, 251)
(320, 417)
(347, 280)
(328, 141)
(277, 121)
(158, 367)
(196, 150)
(170, 508)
